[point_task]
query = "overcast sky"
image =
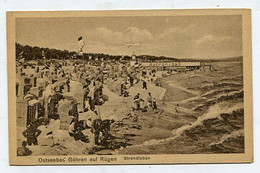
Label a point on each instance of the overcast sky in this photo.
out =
(182, 37)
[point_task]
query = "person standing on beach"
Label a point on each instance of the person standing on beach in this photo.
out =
(85, 96)
(68, 85)
(149, 100)
(122, 88)
(131, 80)
(154, 104)
(137, 101)
(177, 109)
(31, 134)
(144, 85)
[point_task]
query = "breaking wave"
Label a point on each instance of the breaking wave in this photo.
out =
(224, 83)
(226, 137)
(207, 86)
(212, 113)
(214, 92)
(193, 99)
(220, 98)
(231, 95)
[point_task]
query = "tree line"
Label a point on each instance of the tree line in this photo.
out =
(36, 53)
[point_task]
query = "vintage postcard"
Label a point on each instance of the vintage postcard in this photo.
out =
(130, 87)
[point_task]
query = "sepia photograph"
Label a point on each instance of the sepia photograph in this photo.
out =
(130, 87)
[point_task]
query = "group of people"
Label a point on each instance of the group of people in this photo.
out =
(139, 103)
(90, 103)
(91, 114)
(123, 89)
(91, 120)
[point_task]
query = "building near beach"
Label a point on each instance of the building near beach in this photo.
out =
(174, 65)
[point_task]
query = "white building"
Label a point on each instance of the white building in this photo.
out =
(171, 65)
